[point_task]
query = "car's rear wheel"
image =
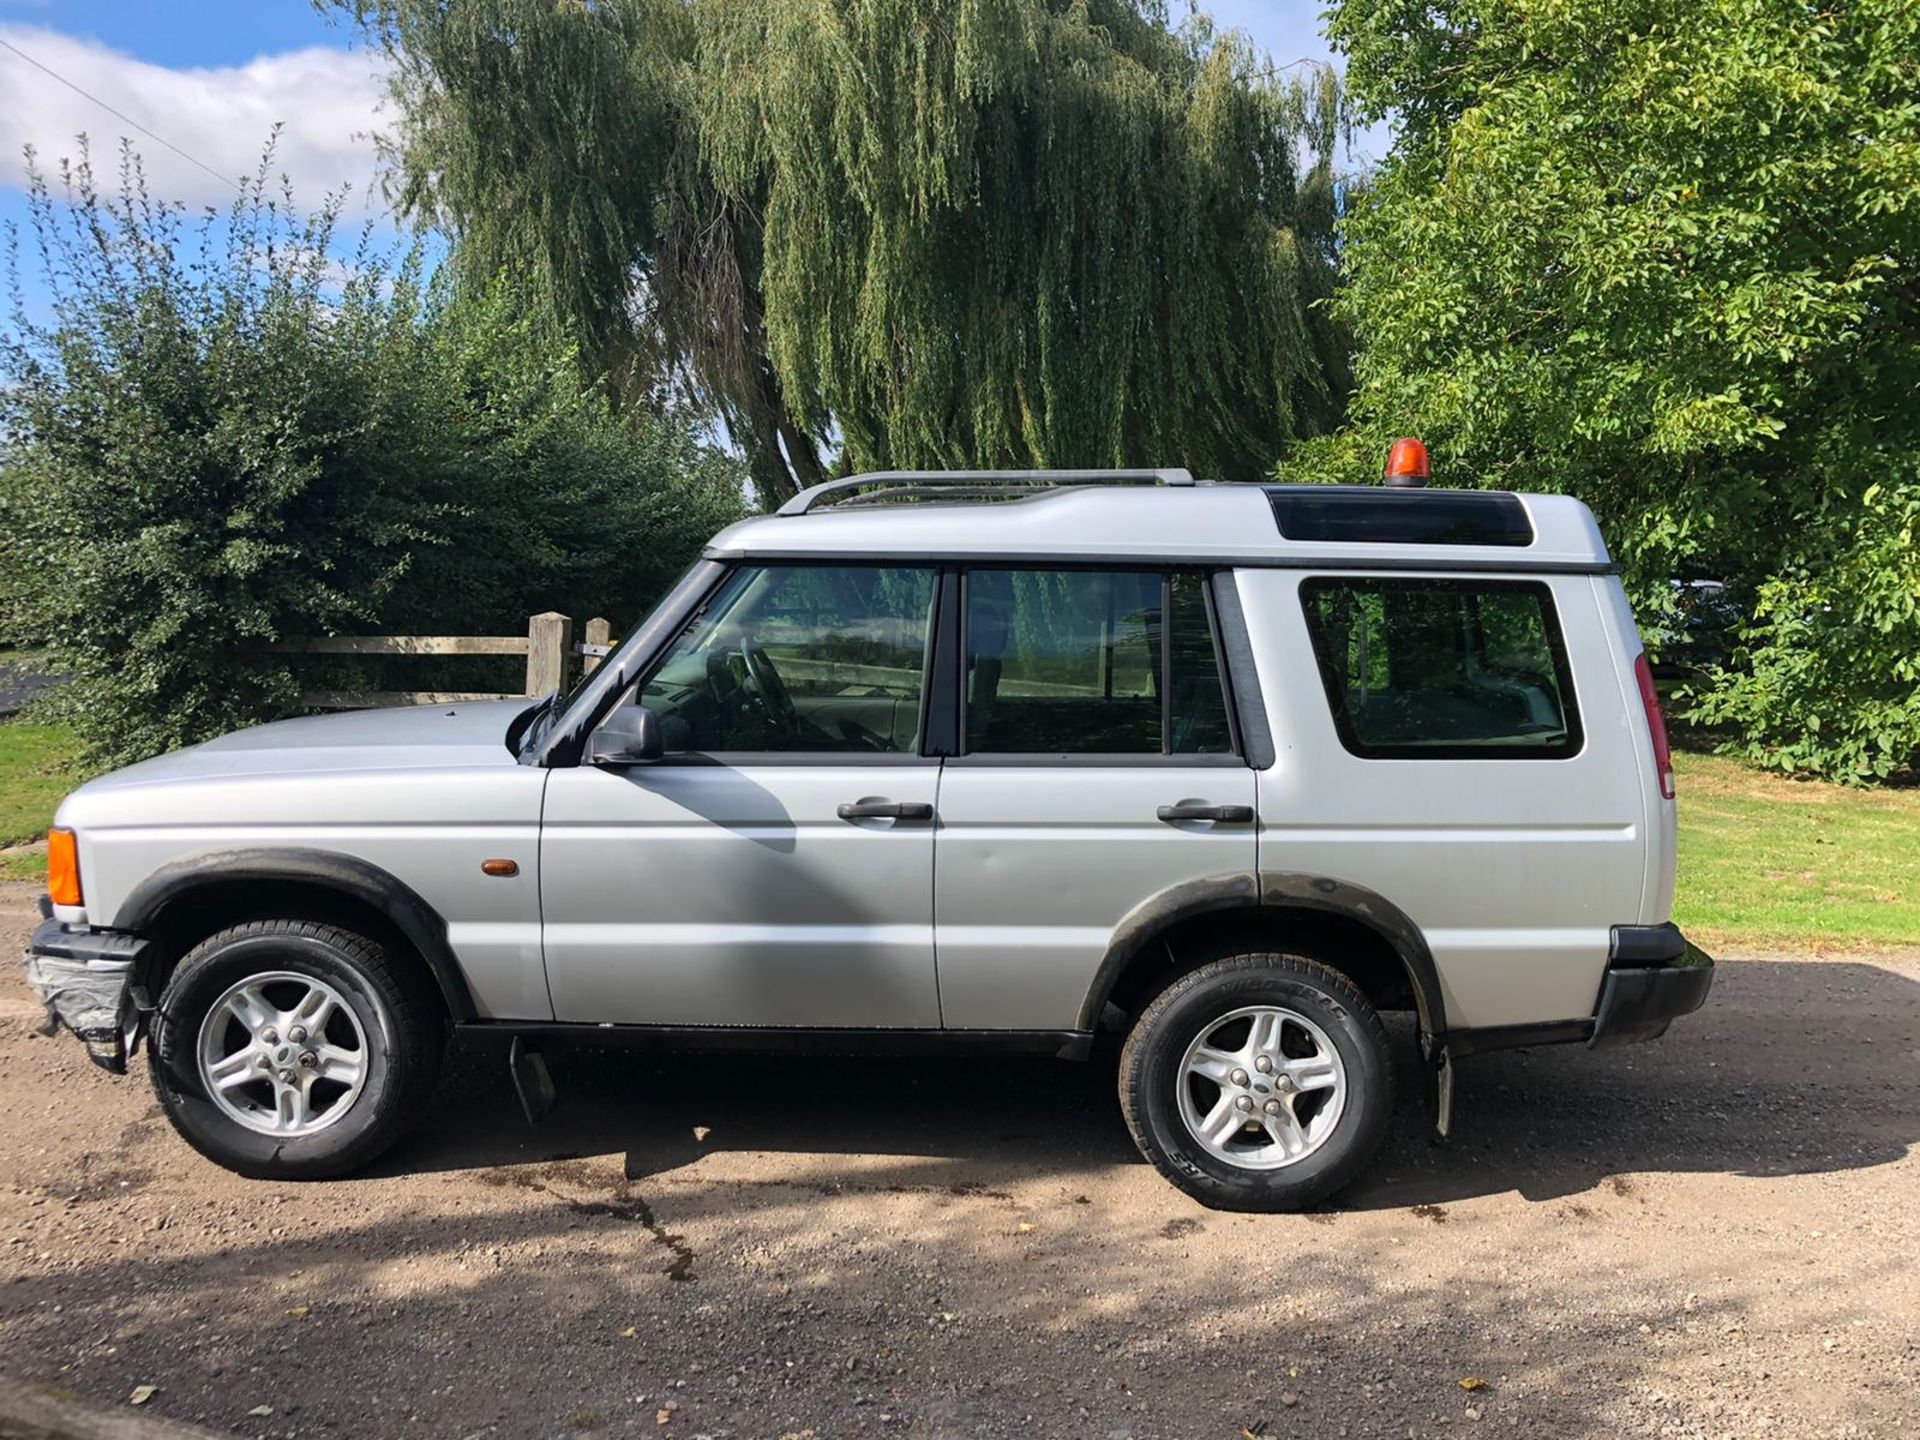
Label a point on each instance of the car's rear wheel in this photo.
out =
(1258, 1082)
(292, 1049)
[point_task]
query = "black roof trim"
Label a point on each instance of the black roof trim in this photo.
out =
(1342, 514)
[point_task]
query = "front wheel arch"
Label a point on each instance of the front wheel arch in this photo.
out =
(185, 901)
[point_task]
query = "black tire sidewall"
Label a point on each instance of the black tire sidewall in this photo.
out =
(200, 981)
(1169, 1027)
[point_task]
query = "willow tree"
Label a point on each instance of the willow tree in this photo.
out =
(915, 232)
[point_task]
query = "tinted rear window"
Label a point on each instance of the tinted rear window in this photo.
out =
(1443, 669)
(1402, 517)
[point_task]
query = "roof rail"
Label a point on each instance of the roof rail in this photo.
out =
(918, 484)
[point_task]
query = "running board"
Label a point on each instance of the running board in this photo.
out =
(782, 1040)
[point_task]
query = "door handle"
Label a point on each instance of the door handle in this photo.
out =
(1225, 814)
(885, 810)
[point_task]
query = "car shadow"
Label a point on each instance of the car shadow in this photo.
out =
(1791, 1068)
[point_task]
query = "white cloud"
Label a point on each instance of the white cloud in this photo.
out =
(326, 100)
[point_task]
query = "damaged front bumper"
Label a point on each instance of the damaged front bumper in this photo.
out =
(86, 980)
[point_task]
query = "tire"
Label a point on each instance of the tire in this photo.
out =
(358, 1083)
(1327, 1129)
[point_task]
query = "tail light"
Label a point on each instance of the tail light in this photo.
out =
(1656, 724)
(63, 868)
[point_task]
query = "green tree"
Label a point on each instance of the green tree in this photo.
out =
(221, 437)
(924, 232)
(1665, 255)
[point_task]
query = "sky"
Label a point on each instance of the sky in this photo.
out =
(212, 77)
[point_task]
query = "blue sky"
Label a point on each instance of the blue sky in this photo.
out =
(213, 76)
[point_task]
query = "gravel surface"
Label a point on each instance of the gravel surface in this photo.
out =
(1715, 1235)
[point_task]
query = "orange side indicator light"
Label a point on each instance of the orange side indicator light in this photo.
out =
(503, 868)
(63, 867)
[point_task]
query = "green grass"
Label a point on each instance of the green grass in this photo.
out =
(1769, 863)
(37, 766)
(1766, 863)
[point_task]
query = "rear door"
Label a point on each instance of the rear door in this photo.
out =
(1098, 764)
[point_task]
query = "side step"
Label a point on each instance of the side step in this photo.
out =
(531, 1082)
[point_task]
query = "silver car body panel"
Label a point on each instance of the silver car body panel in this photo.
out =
(1221, 524)
(425, 794)
(730, 892)
(1037, 865)
(733, 894)
(1515, 870)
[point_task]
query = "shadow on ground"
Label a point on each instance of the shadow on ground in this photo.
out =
(972, 1251)
(1792, 1068)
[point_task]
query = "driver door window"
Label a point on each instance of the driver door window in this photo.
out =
(800, 658)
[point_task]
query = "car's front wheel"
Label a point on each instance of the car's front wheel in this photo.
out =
(292, 1049)
(1258, 1082)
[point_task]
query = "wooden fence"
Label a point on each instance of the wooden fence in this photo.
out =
(548, 646)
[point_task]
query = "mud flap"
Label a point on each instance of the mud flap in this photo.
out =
(531, 1082)
(1443, 1092)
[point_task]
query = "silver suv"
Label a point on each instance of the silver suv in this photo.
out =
(1007, 761)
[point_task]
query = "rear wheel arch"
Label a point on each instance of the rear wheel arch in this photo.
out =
(1348, 927)
(188, 900)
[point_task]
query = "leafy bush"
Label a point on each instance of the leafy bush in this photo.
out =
(1665, 255)
(1831, 679)
(222, 437)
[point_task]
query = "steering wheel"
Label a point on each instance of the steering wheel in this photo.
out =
(768, 688)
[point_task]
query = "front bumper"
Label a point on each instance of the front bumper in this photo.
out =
(1654, 976)
(85, 979)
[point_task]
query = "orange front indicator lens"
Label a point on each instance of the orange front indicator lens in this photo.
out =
(63, 867)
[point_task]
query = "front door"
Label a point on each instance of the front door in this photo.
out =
(776, 867)
(1098, 767)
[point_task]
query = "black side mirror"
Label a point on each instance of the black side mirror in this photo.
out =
(631, 735)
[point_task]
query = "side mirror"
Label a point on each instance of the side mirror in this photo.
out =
(631, 735)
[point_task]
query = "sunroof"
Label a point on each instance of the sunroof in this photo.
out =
(1401, 517)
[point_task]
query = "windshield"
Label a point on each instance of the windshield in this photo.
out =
(592, 684)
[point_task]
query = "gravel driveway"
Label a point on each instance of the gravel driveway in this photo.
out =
(1716, 1235)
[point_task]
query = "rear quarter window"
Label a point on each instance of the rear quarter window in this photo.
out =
(1420, 669)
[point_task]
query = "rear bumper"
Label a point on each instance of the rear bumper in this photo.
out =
(85, 979)
(1654, 976)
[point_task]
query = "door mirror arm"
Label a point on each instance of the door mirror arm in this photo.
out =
(631, 735)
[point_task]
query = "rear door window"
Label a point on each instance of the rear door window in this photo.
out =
(1092, 662)
(1439, 669)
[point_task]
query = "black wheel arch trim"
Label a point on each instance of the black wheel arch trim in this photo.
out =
(347, 875)
(1271, 889)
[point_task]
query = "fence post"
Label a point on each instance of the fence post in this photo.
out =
(549, 637)
(599, 632)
